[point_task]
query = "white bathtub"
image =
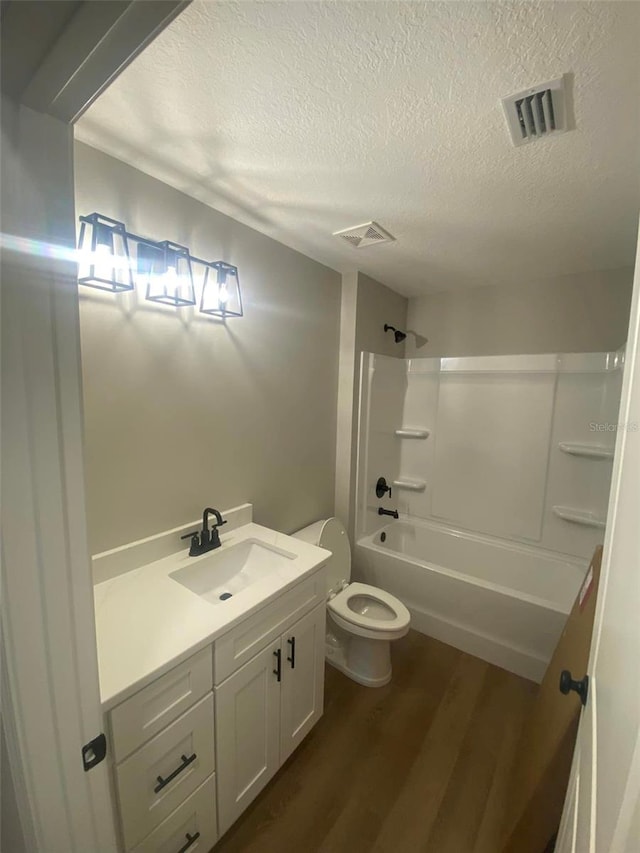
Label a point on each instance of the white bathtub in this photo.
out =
(502, 602)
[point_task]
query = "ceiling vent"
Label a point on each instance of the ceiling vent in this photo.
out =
(361, 236)
(537, 112)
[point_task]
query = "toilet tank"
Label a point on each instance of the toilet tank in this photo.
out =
(330, 534)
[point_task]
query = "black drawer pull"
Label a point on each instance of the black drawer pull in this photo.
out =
(162, 783)
(278, 670)
(292, 659)
(190, 840)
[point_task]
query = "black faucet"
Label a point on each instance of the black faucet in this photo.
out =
(392, 512)
(205, 540)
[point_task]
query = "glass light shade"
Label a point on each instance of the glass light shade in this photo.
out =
(103, 254)
(221, 295)
(171, 281)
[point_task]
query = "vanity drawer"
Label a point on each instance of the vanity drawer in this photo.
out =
(244, 641)
(181, 755)
(154, 707)
(191, 827)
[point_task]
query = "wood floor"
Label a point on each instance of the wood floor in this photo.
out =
(419, 766)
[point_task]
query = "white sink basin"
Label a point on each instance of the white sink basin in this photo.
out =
(223, 574)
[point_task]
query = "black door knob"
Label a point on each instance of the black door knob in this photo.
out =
(567, 684)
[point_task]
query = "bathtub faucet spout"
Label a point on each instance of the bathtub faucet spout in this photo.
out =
(392, 512)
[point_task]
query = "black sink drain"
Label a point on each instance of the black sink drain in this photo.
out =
(225, 595)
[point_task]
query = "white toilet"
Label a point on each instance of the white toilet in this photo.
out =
(363, 619)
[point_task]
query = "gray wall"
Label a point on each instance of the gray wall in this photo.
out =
(366, 306)
(586, 313)
(11, 835)
(183, 412)
(378, 305)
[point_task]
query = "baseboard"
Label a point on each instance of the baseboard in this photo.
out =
(491, 649)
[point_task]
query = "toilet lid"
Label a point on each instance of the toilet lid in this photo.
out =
(334, 538)
(385, 613)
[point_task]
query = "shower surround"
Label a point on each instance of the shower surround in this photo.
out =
(500, 469)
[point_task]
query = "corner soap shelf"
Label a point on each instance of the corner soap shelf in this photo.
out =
(579, 516)
(589, 451)
(410, 484)
(412, 432)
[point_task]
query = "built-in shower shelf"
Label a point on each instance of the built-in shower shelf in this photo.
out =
(590, 451)
(579, 516)
(410, 484)
(412, 432)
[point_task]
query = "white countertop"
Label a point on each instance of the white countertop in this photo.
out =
(146, 622)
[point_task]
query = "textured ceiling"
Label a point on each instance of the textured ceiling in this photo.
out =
(301, 119)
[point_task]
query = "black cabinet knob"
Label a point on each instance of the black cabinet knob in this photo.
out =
(567, 684)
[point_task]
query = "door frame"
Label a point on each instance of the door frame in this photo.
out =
(618, 531)
(50, 689)
(50, 661)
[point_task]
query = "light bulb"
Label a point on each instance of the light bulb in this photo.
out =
(103, 261)
(170, 282)
(220, 291)
(103, 254)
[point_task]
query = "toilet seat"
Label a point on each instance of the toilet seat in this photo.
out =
(387, 618)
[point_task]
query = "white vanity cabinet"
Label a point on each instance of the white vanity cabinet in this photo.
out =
(265, 709)
(193, 748)
(163, 748)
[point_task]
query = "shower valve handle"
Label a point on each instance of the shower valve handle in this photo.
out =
(382, 488)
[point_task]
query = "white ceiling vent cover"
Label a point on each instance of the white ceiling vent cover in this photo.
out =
(538, 112)
(361, 236)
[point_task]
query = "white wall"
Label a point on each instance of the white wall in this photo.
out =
(366, 306)
(348, 394)
(577, 313)
(377, 305)
(183, 412)
(383, 392)
(493, 460)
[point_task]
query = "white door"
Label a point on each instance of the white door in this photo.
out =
(604, 790)
(302, 679)
(247, 732)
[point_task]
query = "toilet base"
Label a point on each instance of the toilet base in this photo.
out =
(368, 662)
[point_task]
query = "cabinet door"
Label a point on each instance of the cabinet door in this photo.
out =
(247, 733)
(302, 679)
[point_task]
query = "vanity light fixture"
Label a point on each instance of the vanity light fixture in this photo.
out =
(170, 278)
(163, 268)
(103, 257)
(221, 291)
